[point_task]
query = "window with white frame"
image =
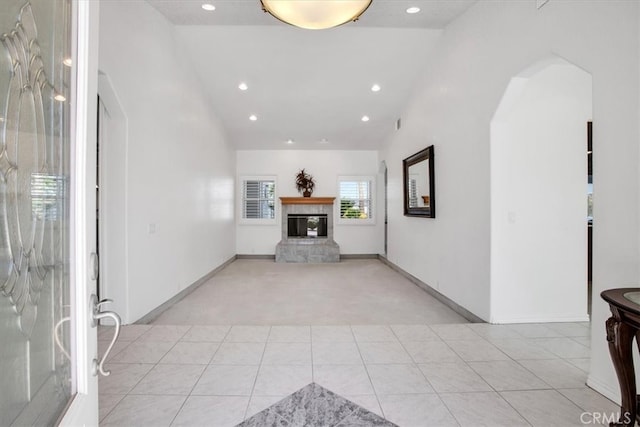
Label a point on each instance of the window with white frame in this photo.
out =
(413, 193)
(356, 199)
(258, 199)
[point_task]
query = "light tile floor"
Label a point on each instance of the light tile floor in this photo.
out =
(377, 339)
(412, 375)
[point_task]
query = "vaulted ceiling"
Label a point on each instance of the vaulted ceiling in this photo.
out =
(308, 89)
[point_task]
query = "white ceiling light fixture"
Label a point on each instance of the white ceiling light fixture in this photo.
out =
(208, 7)
(375, 88)
(365, 118)
(253, 117)
(290, 141)
(316, 14)
(413, 9)
(243, 86)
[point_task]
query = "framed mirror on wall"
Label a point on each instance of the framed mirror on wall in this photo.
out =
(419, 184)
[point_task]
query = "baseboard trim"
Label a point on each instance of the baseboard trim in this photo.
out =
(342, 256)
(546, 319)
(156, 312)
(437, 295)
(613, 394)
(253, 256)
(358, 256)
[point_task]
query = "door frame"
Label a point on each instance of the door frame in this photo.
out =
(83, 408)
(386, 208)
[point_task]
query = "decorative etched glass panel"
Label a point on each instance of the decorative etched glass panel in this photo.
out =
(35, 367)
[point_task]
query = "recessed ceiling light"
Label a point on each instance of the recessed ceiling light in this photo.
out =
(375, 88)
(365, 118)
(289, 141)
(59, 97)
(243, 86)
(208, 7)
(68, 62)
(253, 117)
(324, 141)
(413, 9)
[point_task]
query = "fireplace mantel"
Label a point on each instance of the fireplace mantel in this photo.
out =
(307, 200)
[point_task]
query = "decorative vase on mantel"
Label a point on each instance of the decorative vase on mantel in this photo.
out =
(305, 183)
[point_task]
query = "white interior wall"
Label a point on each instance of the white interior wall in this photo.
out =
(112, 200)
(325, 166)
(538, 197)
(452, 108)
(179, 169)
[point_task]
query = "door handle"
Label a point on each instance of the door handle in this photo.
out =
(97, 314)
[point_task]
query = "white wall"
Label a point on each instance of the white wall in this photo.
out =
(112, 198)
(325, 166)
(477, 56)
(538, 196)
(179, 169)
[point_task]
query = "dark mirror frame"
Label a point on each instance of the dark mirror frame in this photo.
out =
(425, 155)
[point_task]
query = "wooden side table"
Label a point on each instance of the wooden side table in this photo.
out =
(622, 327)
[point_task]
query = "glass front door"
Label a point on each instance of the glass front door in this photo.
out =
(36, 370)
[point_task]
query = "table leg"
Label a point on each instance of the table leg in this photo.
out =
(620, 338)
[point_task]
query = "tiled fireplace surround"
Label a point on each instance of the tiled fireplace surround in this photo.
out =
(317, 249)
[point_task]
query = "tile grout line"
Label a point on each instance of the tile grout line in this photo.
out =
(128, 393)
(201, 374)
(339, 395)
(253, 387)
(494, 390)
(466, 363)
(158, 363)
(499, 392)
(425, 376)
(375, 392)
(449, 409)
(123, 395)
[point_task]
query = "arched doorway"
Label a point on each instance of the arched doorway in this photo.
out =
(539, 195)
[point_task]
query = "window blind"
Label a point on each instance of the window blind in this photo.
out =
(258, 199)
(355, 200)
(413, 193)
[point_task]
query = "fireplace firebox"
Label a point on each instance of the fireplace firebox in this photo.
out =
(307, 226)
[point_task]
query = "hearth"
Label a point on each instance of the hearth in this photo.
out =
(307, 230)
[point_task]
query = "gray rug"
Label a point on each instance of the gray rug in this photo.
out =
(315, 406)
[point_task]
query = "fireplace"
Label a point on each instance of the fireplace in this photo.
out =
(307, 230)
(306, 226)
